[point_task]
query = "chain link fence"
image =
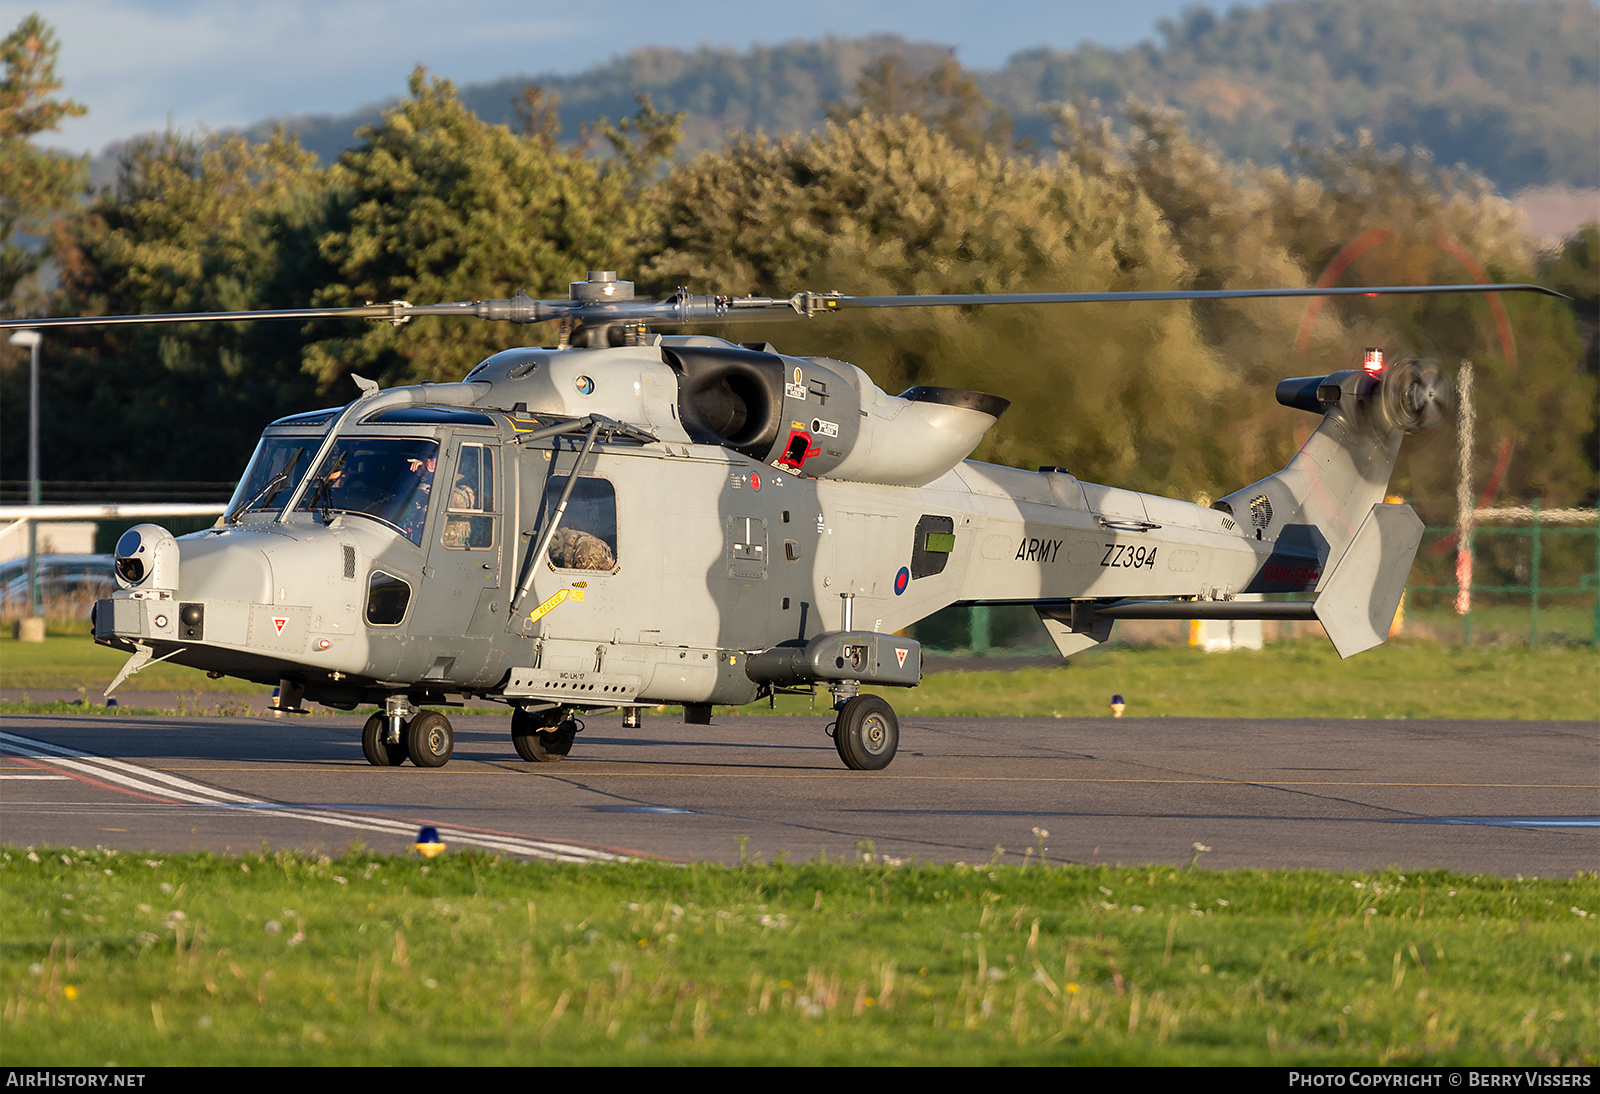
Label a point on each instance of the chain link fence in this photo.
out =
(1532, 576)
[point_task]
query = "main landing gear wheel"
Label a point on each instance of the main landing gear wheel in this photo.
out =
(867, 733)
(543, 738)
(375, 743)
(430, 740)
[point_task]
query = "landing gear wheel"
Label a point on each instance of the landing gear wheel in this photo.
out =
(375, 743)
(867, 733)
(536, 741)
(430, 740)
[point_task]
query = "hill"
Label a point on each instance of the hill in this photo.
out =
(1508, 88)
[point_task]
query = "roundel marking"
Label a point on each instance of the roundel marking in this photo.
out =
(901, 580)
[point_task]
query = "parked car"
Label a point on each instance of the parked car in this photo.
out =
(70, 584)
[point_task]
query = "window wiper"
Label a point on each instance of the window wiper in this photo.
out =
(325, 482)
(269, 491)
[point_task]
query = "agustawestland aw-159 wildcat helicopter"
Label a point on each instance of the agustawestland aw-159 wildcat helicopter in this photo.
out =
(628, 519)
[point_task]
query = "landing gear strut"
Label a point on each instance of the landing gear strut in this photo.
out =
(543, 737)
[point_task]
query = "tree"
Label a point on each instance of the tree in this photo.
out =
(538, 115)
(885, 205)
(34, 183)
(1430, 225)
(188, 225)
(1379, 216)
(1575, 271)
(1168, 397)
(1507, 87)
(1221, 225)
(943, 97)
(437, 205)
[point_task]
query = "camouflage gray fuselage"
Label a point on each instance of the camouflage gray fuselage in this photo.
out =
(680, 558)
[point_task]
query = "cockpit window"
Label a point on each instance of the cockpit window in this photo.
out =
(386, 479)
(309, 417)
(276, 466)
(387, 599)
(428, 415)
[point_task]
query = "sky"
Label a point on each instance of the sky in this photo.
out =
(139, 65)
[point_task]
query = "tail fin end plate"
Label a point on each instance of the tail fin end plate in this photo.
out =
(1357, 602)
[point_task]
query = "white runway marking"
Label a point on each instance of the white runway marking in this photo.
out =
(171, 789)
(1512, 822)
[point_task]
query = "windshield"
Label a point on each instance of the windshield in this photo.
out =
(382, 478)
(276, 466)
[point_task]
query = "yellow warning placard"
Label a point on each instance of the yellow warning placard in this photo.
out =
(548, 606)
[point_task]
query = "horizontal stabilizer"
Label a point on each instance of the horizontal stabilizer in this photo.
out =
(1073, 625)
(1357, 601)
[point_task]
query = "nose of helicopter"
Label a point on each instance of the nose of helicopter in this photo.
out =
(166, 586)
(256, 603)
(233, 566)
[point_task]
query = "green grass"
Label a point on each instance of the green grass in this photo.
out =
(1299, 679)
(1569, 620)
(75, 661)
(1404, 678)
(62, 706)
(366, 960)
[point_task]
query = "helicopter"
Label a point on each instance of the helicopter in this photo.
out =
(631, 518)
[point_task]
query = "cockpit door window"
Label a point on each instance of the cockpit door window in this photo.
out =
(469, 520)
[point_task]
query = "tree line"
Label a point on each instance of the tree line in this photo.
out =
(916, 185)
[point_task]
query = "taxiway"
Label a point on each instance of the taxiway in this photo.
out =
(1511, 797)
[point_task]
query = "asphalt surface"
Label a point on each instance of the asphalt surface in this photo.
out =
(1490, 797)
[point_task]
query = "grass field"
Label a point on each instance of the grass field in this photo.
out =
(1299, 679)
(1567, 620)
(75, 661)
(1302, 678)
(467, 959)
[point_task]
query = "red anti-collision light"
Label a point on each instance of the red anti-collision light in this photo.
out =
(1372, 361)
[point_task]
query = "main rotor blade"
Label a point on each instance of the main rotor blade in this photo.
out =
(684, 308)
(840, 303)
(519, 309)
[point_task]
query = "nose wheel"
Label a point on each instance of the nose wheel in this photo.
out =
(426, 740)
(429, 739)
(866, 734)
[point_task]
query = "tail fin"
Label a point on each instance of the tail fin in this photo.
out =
(1328, 500)
(1358, 597)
